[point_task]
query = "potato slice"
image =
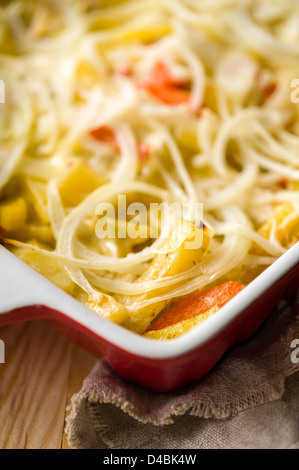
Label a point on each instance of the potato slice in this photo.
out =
(107, 307)
(39, 233)
(13, 214)
(177, 257)
(178, 329)
(52, 269)
(81, 177)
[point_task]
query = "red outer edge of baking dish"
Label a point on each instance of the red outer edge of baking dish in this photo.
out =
(170, 373)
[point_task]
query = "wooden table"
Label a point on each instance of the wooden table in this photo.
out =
(41, 373)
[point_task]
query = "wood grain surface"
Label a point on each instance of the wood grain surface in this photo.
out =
(42, 371)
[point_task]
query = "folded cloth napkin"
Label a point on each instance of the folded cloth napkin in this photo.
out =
(249, 400)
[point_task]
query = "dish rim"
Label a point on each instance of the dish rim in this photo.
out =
(135, 344)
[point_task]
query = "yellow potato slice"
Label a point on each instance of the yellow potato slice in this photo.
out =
(182, 327)
(177, 257)
(13, 214)
(108, 308)
(52, 269)
(83, 179)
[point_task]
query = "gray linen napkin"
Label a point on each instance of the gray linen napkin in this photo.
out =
(249, 400)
